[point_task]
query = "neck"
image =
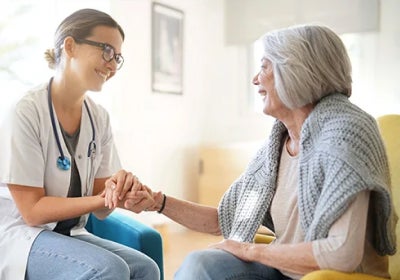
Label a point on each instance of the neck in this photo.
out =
(65, 95)
(294, 122)
(68, 102)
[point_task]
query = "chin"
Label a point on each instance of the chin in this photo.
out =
(266, 110)
(96, 88)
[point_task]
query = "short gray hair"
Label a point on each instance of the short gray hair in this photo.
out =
(309, 62)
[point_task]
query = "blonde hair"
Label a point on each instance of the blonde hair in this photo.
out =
(78, 25)
(50, 57)
(309, 62)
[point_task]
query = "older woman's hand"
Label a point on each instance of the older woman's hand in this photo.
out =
(139, 200)
(238, 249)
(118, 185)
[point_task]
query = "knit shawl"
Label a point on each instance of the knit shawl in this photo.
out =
(341, 154)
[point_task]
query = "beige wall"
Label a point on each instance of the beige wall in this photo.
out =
(159, 135)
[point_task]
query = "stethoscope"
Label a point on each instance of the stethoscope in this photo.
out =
(63, 162)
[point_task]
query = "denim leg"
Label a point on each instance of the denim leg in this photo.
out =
(214, 264)
(55, 256)
(140, 265)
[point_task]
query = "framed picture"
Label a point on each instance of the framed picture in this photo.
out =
(167, 49)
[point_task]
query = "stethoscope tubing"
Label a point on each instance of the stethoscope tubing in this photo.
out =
(63, 162)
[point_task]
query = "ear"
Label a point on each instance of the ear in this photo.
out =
(69, 46)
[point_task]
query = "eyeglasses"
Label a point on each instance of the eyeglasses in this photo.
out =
(108, 51)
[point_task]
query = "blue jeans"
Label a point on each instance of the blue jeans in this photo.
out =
(84, 257)
(214, 264)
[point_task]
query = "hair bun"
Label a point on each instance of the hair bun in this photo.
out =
(50, 57)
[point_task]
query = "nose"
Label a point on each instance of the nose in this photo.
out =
(255, 80)
(112, 65)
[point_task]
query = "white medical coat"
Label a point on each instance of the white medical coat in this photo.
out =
(29, 153)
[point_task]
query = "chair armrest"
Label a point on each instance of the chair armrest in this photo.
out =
(125, 230)
(335, 275)
(264, 235)
(263, 238)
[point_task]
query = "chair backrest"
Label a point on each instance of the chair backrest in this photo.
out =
(389, 126)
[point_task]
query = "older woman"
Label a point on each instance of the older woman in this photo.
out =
(321, 181)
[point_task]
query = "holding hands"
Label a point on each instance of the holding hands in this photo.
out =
(124, 190)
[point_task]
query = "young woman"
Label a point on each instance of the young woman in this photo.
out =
(61, 152)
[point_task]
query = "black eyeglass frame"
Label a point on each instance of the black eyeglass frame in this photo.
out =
(104, 46)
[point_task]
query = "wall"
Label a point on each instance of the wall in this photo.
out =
(158, 135)
(388, 58)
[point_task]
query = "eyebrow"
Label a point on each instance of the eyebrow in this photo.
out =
(105, 43)
(111, 47)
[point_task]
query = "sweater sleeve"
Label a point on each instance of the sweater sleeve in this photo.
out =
(343, 249)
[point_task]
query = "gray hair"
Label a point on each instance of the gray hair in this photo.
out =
(80, 25)
(309, 62)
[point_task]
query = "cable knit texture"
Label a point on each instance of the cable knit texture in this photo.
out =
(341, 154)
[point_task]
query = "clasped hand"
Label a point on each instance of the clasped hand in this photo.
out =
(123, 189)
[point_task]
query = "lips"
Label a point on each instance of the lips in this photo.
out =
(104, 75)
(262, 92)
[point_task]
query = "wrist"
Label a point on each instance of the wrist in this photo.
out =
(162, 204)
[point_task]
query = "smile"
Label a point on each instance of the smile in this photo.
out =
(103, 75)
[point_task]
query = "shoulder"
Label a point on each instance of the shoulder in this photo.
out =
(33, 104)
(336, 120)
(36, 96)
(338, 110)
(338, 129)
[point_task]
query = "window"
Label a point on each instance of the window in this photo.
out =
(24, 35)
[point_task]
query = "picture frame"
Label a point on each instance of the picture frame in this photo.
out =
(167, 49)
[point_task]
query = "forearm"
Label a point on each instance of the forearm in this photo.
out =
(295, 258)
(191, 215)
(52, 209)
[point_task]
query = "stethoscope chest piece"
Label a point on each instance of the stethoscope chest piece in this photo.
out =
(63, 163)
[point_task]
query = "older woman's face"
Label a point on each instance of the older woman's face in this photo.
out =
(266, 88)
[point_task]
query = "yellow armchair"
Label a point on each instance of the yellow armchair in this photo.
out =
(389, 126)
(336, 275)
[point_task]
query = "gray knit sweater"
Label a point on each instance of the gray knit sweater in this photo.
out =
(341, 154)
